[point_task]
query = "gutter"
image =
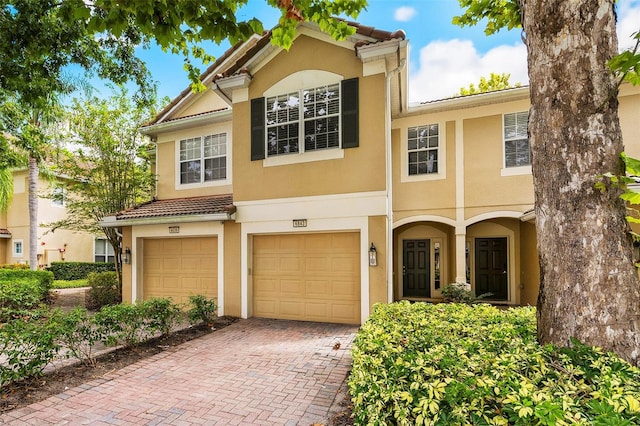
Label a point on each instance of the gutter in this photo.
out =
(112, 222)
(206, 118)
(387, 114)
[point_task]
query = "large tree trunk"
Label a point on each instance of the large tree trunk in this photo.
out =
(589, 288)
(33, 213)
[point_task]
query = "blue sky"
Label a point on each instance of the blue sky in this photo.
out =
(443, 57)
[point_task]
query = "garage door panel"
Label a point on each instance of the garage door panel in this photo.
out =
(180, 267)
(305, 276)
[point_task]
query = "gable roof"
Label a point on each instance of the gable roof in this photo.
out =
(204, 205)
(232, 61)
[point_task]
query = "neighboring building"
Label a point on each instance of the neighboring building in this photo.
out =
(61, 245)
(277, 182)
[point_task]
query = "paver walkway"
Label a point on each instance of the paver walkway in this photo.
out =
(253, 372)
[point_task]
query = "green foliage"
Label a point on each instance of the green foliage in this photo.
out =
(627, 63)
(495, 82)
(497, 14)
(104, 290)
(457, 293)
(160, 314)
(202, 309)
(18, 296)
(15, 266)
(76, 333)
(69, 284)
(27, 346)
(45, 278)
(448, 364)
(78, 270)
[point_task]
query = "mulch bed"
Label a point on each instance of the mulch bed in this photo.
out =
(27, 392)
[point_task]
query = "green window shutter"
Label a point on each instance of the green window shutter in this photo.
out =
(257, 129)
(350, 113)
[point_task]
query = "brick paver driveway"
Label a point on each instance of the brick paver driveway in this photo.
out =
(253, 372)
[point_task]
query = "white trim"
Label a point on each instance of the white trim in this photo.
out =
(112, 222)
(188, 122)
(461, 102)
(460, 231)
(424, 218)
(300, 80)
(360, 224)
(316, 208)
(304, 157)
(493, 215)
(139, 233)
(441, 174)
(514, 171)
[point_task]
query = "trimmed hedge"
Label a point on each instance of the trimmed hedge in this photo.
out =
(18, 296)
(45, 278)
(79, 270)
(452, 364)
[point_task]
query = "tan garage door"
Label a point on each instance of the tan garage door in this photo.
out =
(179, 267)
(309, 277)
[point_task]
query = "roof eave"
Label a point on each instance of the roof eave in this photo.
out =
(180, 123)
(113, 222)
(470, 101)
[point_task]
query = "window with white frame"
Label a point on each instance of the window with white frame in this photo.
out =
(58, 196)
(103, 251)
(203, 159)
(309, 115)
(517, 151)
(422, 148)
(18, 248)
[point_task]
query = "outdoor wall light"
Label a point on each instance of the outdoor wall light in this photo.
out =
(373, 256)
(126, 256)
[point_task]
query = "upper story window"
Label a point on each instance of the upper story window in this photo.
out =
(311, 115)
(309, 122)
(422, 149)
(203, 159)
(58, 196)
(517, 152)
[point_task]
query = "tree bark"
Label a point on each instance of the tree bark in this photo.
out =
(33, 213)
(589, 287)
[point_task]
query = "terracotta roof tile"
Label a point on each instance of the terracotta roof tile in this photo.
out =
(212, 204)
(4, 231)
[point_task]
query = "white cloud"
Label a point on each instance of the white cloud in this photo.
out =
(446, 66)
(404, 13)
(628, 22)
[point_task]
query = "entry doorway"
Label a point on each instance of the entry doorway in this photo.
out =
(491, 267)
(416, 265)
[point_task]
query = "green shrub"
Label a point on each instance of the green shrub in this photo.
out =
(160, 314)
(27, 346)
(452, 364)
(121, 325)
(104, 290)
(69, 284)
(15, 266)
(458, 293)
(76, 332)
(45, 278)
(19, 296)
(79, 270)
(202, 309)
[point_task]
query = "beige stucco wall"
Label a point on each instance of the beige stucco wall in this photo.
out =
(79, 245)
(378, 274)
(629, 113)
(529, 266)
(360, 170)
(127, 269)
(232, 289)
(203, 102)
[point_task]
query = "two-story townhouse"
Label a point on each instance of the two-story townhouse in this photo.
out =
(301, 185)
(55, 246)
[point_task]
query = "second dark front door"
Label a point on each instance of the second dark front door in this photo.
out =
(491, 267)
(416, 272)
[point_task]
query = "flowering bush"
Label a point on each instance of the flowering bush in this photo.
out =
(452, 364)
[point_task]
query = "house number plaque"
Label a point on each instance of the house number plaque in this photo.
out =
(299, 223)
(174, 229)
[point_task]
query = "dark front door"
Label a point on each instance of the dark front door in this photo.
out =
(491, 267)
(415, 269)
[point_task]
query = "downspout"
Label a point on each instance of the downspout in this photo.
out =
(389, 176)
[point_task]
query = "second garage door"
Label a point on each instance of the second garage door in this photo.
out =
(179, 267)
(309, 277)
